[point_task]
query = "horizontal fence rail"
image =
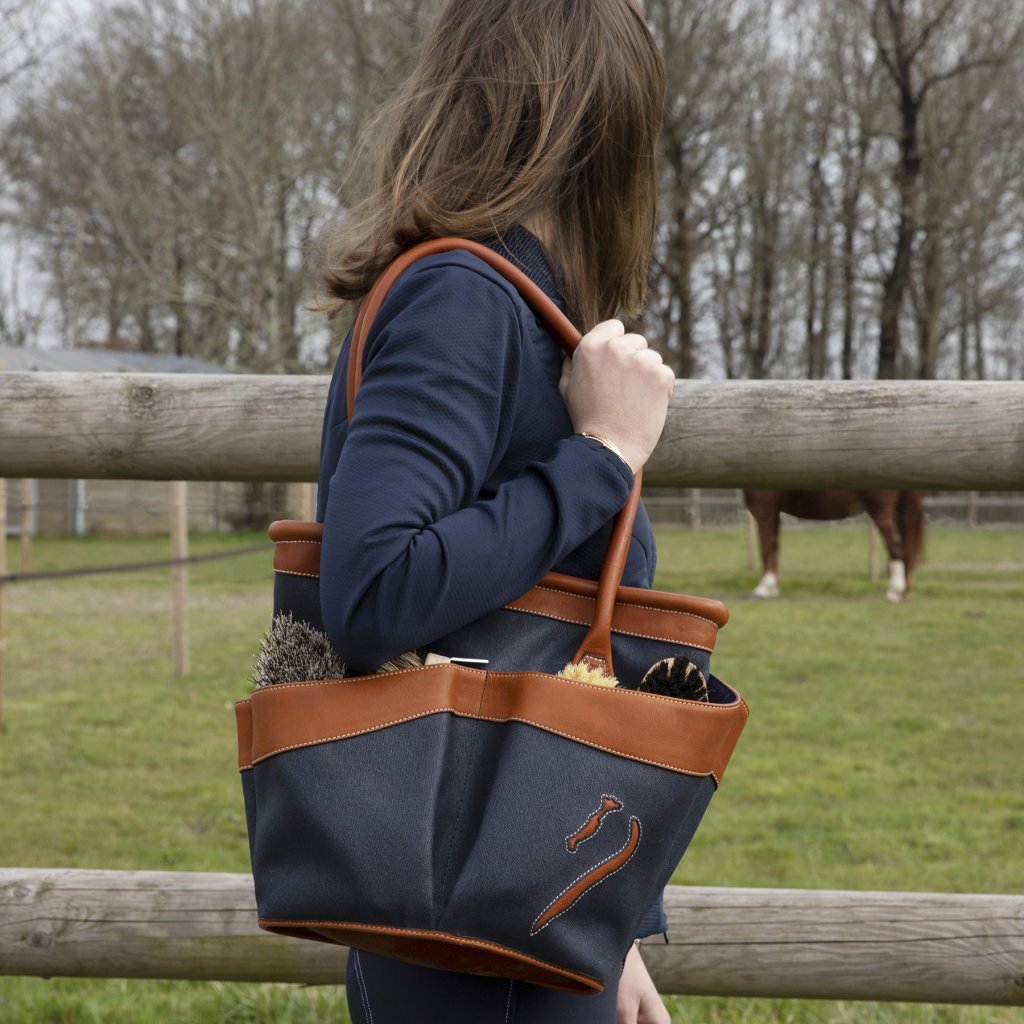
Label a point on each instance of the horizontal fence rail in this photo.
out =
(918, 947)
(932, 435)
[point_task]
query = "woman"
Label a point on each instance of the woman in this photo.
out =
(477, 459)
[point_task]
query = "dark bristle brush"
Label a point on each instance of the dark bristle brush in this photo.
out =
(676, 677)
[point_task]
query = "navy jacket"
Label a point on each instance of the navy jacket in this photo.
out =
(459, 482)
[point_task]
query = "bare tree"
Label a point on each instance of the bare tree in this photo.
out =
(176, 168)
(843, 81)
(827, 171)
(22, 46)
(706, 44)
(972, 140)
(21, 41)
(922, 45)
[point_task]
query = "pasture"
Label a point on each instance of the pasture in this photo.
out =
(883, 750)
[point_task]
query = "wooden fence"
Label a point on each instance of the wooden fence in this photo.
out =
(933, 435)
(795, 943)
(750, 942)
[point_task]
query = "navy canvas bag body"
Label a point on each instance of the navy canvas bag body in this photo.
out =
(503, 820)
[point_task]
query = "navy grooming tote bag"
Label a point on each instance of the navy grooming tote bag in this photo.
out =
(503, 820)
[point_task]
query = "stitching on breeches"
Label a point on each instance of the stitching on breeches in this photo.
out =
(363, 995)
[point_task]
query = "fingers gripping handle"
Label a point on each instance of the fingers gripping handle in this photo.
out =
(597, 644)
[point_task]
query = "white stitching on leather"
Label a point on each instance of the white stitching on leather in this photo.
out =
(621, 632)
(624, 604)
(604, 878)
(291, 572)
(599, 812)
(611, 692)
(458, 940)
(484, 718)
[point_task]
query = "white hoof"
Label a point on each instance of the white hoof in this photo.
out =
(768, 587)
(897, 592)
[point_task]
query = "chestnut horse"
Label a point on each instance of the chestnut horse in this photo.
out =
(899, 516)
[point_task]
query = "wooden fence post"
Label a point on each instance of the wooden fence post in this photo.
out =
(695, 509)
(972, 508)
(27, 504)
(3, 598)
(179, 575)
(307, 502)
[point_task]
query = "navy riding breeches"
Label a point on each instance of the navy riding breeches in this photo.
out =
(385, 991)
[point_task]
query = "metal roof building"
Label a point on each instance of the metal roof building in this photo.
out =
(97, 360)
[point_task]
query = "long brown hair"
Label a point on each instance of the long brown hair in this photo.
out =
(518, 110)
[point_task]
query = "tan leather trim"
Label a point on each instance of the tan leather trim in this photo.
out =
(295, 530)
(683, 736)
(647, 613)
(650, 613)
(704, 607)
(440, 949)
(243, 724)
(296, 547)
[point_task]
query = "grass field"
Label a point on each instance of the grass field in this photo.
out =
(883, 750)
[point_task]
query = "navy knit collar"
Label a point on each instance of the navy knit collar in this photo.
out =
(523, 248)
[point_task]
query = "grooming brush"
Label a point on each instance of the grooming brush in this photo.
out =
(292, 652)
(584, 673)
(676, 677)
(670, 677)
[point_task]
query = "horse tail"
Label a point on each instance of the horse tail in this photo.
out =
(910, 520)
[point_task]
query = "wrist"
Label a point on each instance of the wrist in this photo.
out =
(605, 442)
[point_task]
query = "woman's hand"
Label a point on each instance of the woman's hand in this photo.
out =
(618, 388)
(638, 1000)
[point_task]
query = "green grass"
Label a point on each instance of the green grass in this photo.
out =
(883, 746)
(882, 751)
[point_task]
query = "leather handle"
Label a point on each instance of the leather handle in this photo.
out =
(597, 644)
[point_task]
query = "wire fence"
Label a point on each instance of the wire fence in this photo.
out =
(125, 567)
(696, 507)
(211, 509)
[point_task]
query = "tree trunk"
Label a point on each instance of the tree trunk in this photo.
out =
(930, 309)
(964, 328)
(685, 356)
(897, 279)
(815, 369)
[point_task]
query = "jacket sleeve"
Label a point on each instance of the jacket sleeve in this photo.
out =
(414, 546)
(654, 922)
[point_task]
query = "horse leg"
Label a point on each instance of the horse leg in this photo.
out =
(910, 522)
(768, 533)
(882, 510)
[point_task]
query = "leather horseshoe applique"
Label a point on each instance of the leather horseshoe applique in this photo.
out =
(593, 823)
(571, 895)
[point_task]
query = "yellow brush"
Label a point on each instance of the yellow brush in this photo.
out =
(583, 673)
